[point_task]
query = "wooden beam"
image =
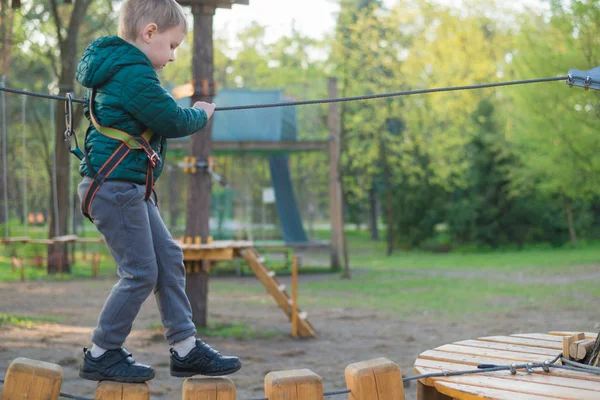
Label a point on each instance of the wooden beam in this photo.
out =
(208, 254)
(257, 145)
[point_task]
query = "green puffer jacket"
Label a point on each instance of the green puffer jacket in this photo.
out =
(129, 97)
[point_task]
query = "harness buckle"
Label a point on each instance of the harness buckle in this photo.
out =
(154, 159)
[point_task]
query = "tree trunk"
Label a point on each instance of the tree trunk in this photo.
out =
(200, 183)
(389, 208)
(571, 224)
(373, 214)
(58, 257)
(175, 178)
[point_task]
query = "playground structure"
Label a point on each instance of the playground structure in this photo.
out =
(369, 380)
(516, 366)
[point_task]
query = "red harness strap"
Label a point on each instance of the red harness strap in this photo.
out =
(129, 143)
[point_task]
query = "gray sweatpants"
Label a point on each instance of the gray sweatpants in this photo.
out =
(148, 259)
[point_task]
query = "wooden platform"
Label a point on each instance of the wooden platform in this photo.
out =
(54, 240)
(503, 350)
(224, 250)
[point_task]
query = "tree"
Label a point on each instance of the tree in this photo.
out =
(554, 130)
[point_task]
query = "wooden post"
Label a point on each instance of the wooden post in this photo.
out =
(294, 296)
(425, 392)
(32, 379)
(108, 390)
(335, 193)
(298, 384)
(378, 379)
(95, 264)
(200, 184)
(220, 388)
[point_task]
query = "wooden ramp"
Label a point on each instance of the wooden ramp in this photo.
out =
(277, 290)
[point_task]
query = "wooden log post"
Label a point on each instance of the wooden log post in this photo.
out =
(425, 392)
(297, 384)
(295, 297)
(335, 190)
(108, 390)
(378, 379)
(220, 388)
(32, 379)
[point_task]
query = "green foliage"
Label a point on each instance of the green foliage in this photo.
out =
(23, 321)
(236, 330)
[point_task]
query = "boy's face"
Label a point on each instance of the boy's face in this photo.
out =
(160, 46)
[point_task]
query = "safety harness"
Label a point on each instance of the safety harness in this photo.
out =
(128, 143)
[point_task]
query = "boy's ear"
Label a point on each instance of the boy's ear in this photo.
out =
(149, 31)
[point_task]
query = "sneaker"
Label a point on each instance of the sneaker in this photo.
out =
(203, 360)
(114, 365)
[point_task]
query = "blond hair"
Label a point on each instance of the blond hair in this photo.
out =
(136, 14)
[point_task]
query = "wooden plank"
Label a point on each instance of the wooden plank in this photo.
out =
(90, 240)
(451, 365)
(468, 359)
(544, 344)
(64, 239)
(221, 244)
(509, 347)
(208, 254)
(466, 392)
(41, 241)
(588, 335)
(11, 240)
(539, 376)
(539, 389)
(259, 146)
(510, 356)
(538, 336)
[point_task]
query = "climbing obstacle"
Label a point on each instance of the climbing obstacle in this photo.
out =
(378, 379)
(196, 253)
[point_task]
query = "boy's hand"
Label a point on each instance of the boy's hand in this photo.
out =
(209, 108)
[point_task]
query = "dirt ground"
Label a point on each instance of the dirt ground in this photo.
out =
(344, 335)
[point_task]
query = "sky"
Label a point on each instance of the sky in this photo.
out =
(313, 18)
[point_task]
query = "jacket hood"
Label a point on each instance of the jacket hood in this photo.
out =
(104, 57)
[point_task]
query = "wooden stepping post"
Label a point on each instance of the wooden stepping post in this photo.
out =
(297, 384)
(32, 379)
(108, 390)
(219, 388)
(378, 379)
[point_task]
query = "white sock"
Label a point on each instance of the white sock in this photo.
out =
(184, 347)
(97, 351)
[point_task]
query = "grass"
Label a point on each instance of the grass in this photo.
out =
(22, 321)
(236, 330)
(416, 283)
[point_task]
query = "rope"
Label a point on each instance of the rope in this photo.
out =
(337, 99)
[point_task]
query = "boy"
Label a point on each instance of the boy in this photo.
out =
(125, 95)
